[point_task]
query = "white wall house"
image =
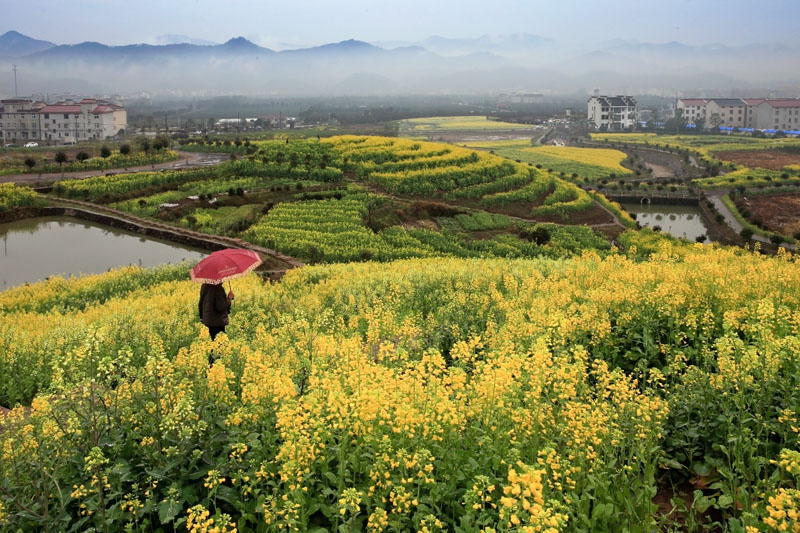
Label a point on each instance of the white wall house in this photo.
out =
(64, 122)
(759, 113)
(778, 114)
(613, 113)
(693, 109)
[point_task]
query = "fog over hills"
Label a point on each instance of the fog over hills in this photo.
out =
(436, 65)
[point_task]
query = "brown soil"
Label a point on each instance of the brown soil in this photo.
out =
(612, 231)
(769, 159)
(780, 213)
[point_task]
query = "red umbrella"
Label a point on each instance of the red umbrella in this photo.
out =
(224, 265)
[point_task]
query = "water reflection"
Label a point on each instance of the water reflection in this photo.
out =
(677, 220)
(34, 249)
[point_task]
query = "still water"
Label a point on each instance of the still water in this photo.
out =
(33, 249)
(677, 220)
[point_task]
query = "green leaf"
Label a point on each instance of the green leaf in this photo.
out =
(701, 469)
(724, 501)
(168, 510)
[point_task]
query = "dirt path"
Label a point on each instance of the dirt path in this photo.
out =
(187, 160)
(660, 171)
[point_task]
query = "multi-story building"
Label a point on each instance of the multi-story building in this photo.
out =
(750, 111)
(19, 120)
(612, 112)
(23, 120)
(726, 112)
(758, 113)
(693, 110)
(778, 114)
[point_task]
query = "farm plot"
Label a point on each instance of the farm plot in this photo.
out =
(459, 123)
(777, 213)
(587, 165)
(769, 159)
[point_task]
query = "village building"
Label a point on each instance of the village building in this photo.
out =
(612, 113)
(24, 120)
(780, 114)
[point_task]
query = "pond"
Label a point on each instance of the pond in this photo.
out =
(677, 220)
(36, 248)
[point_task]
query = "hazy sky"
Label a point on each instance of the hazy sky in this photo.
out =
(311, 22)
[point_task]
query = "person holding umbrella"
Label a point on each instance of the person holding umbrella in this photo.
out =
(214, 307)
(219, 267)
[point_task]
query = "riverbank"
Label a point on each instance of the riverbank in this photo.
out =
(275, 264)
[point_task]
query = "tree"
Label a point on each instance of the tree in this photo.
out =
(715, 120)
(105, 152)
(82, 156)
(125, 149)
(30, 162)
(161, 142)
(677, 123)
(144, 144)
(61, 158)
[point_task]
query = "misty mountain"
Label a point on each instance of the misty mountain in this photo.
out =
(512, 44)
(181, 39)
(437, 65)
(14, 44)
(238, 46)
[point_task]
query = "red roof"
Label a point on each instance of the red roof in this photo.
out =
(693, 101)
(788, 102)
(104, 109)
(88, 101)
(753, 101)
(60, 108)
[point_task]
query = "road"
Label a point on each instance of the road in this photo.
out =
(187, 160)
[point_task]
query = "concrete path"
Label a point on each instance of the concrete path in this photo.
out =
(187, 160)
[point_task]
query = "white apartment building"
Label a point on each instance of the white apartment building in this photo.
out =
(68, 122)
(758, 113)
(778, 114)
(612, 113)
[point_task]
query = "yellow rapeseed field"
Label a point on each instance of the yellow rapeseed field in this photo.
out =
(421, 395)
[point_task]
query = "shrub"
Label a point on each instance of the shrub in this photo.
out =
(746, 233)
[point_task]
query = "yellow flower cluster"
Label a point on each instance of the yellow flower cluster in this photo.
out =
(783, 511)
(523, 505)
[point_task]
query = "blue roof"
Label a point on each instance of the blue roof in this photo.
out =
(691, 125)
(793, 132)
(725, 128)
(746, 129)
(770, 131)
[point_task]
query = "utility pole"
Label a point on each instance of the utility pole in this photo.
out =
(166, 124)
(14, 68)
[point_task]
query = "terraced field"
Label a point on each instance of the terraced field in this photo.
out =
(586, 165)
(351, 198)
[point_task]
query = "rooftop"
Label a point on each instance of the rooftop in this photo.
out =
(728, 101)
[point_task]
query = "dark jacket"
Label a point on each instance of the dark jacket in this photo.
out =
(214, 305)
